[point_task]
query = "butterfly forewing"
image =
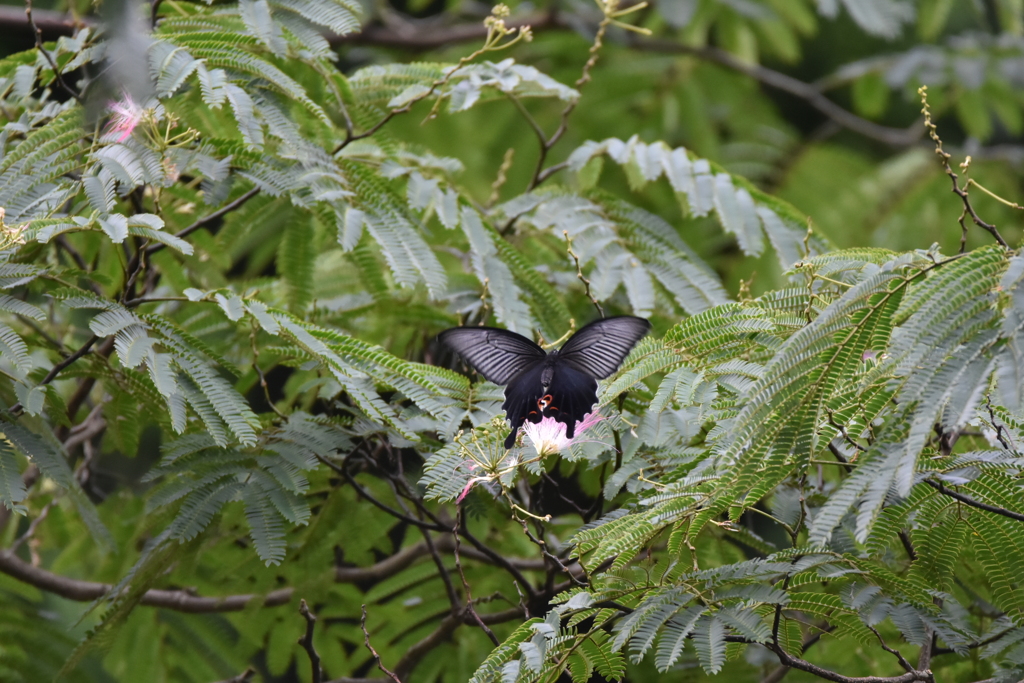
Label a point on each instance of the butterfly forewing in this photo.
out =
(498, 355)
(599, 348)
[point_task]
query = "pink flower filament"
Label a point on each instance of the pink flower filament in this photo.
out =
(127, 115)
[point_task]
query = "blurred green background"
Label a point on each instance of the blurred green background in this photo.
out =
(880, 187)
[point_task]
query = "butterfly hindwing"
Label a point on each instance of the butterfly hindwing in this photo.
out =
(521, 396)
(498, 355)
(600, 347)
(571, 396)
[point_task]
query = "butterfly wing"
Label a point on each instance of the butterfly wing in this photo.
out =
(498, 355)
(572, 395)
(521, 396)
(568, 399)
(600, 347)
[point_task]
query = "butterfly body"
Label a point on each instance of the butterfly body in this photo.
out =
(560, 384)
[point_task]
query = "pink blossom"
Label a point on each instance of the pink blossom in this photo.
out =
(127, 115)
(548, 435)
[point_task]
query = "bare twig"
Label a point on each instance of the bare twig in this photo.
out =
(579, 273)
(306, 641)
(465, 584)
(33, 525)
(419, 650)
(908, 544)
(501, 561)
(366, 639)
(548, 143)
(780, 672)
(87, 429)
(499, 181)
(954, 178)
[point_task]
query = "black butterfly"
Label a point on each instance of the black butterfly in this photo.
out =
(561, 383)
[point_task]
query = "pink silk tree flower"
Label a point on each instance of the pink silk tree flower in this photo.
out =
(127, 115)
(548, 435)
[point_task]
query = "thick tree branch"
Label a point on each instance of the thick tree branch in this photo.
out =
(183, 601)
(178, 600)
(803, 665)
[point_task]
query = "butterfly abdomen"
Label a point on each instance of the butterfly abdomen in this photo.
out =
(548, 373)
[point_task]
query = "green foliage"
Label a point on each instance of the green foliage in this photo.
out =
(220, 389)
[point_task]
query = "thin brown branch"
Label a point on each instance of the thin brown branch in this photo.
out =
(420, 38)
(206, 220)
(470, 610)
(936, 651)
(37, 33)
(1002, 435)
(366, 639)
(383, 506)
(777, 674)
(967, 500)
(428, 38)
(894, 652)
(842, 430)
(442, 571)
(908, 544)
(895, 137)
(539, 173)
(47, 21)
(500, 561)
(306, 641)
(419, 650)
(58, 368)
